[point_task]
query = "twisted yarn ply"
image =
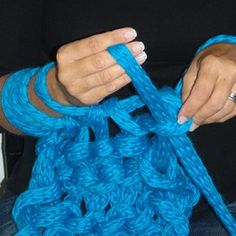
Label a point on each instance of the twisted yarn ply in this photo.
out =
(145, 180)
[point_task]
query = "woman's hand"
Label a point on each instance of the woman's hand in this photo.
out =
(207, 85)
(87, 73)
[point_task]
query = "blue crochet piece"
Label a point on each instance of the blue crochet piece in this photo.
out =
(144, 181)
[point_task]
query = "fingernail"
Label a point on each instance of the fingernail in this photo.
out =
(141, 57)
(138, 47)
(182, 119)
(130, 34)
(193, 127)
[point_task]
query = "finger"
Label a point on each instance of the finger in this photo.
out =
(188, 80)
(200, 93)
(225, 111)
(94, 44)
(216, 101)
(100, 78)
(97, 94)
(94, 63)
(229, 116)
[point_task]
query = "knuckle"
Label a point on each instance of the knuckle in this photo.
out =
(201, 90)
(188, 112)
(199, 118)
(105, 76)
(93, 44)
(228, 65)
(61, 54)
(229, 108)
(210, 60)
(126, 79)
(72, 91)
(233, 70)
(84, 99)
(62, 76)
(215, 105)
(98, 62)
(190, 108)
(111, 87)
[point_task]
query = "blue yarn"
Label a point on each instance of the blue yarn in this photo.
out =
(23, 117)
(143, 181)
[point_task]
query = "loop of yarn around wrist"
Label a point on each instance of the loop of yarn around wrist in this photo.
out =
(145, 180)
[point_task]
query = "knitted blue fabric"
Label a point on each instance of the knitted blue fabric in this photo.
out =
(145, 180)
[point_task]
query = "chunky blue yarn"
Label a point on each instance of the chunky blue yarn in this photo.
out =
(143, 181)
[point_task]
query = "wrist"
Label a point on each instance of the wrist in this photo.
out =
(55, 89)
(37, 102)
(4, 122)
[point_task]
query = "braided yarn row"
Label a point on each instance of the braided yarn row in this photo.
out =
(144, 181)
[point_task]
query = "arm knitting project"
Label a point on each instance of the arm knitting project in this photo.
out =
(143, 181)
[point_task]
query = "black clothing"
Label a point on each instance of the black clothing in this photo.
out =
(32, 30)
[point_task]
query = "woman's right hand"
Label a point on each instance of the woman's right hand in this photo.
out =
(87, 73)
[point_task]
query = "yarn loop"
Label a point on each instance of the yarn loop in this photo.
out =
(143, 180)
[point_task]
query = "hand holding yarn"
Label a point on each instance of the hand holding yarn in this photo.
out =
(132, 183)
(207, 84)
(86, 71)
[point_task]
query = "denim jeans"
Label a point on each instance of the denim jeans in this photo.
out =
(208, 225)
(7, 226)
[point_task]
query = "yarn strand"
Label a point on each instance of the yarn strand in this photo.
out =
(144, 180)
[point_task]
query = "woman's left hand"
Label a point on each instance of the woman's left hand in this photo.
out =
(207, 84)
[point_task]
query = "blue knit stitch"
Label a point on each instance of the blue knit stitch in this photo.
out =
(143, 181)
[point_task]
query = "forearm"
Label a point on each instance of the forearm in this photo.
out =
(54, 90)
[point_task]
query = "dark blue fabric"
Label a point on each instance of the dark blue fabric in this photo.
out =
(209, 225)
(7, 226)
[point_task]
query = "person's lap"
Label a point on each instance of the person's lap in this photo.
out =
(7, 226)
(206, 226)
(209, 224)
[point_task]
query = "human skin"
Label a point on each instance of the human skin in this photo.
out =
(85, 74)
(208, 82)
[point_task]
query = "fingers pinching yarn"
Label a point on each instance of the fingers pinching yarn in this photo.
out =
(144, 180)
